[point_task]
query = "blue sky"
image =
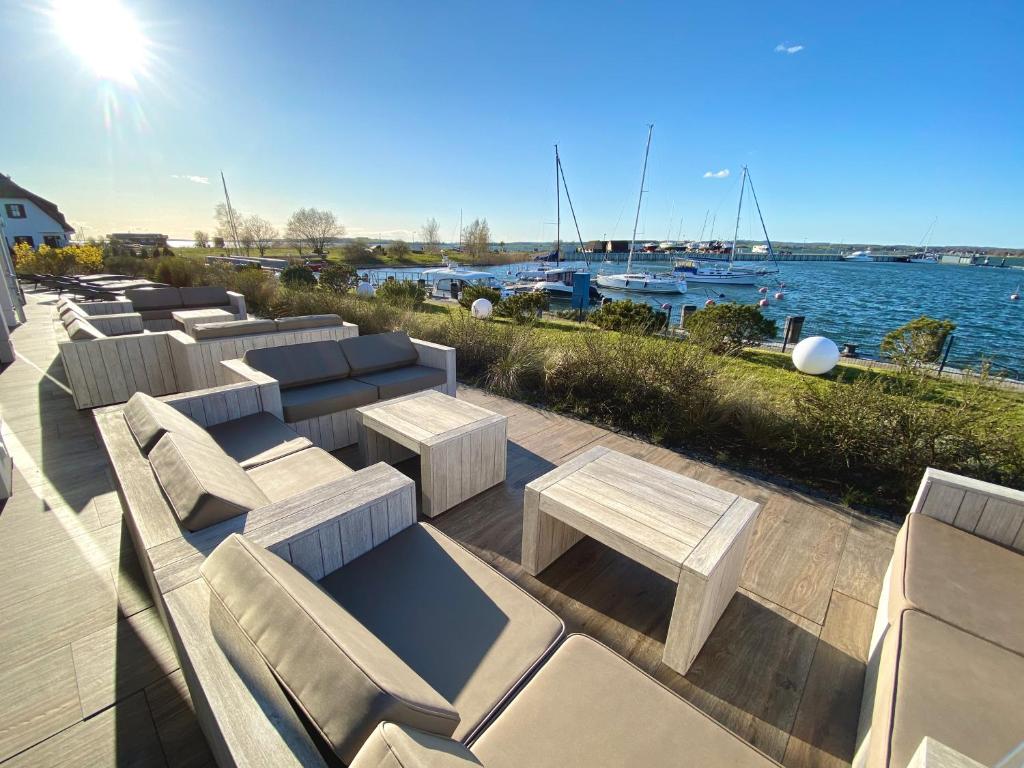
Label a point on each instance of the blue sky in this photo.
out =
(889, 116)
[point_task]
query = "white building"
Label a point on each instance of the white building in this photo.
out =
(29, 218)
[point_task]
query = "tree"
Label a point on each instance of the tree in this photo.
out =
(476, 239)
(224, 219)
(201, 239)
(337, 277)
(398, 250)
(918, 342)
(429, 233)
(259, 232)
(357, 252)
(314, 227)
(218, 242)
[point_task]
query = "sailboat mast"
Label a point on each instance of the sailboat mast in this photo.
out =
(739, 208)
(767, 240)
(558, 210)
(640, 199)
(231, 214)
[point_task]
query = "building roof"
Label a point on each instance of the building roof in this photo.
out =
(9, 189)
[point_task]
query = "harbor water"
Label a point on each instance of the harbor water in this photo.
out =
(859, 303)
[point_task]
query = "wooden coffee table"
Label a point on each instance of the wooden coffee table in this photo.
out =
(187, 319)
(461, 446)
(688, 531)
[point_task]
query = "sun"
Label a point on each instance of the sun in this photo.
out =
(105, 36)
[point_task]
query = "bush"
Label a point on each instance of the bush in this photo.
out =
(129, 265)
(297, 277)
(69, 260)
(517, 369)
(726, 328)
(179, 271)
(522, 308)
(337, 277)
(627, 315)
(918, 342)
(401, 293)
(473, 292)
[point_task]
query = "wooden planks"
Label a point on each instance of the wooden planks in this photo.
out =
(985, 509)
(107, 371)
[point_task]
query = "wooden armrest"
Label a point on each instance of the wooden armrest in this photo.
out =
(318, 530)
(990, 511)
(933, 754)
(240, 371)
(216, 405)
(434, 355)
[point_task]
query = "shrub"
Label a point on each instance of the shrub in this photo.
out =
(727, 328)
(298, 277)
(129, 265)
(179, 271)
(257, 285)
(337, 277)
(473, 292)
(517, 369)
(522, 308)
(918, 342)
(628, 315)
(475, 342)
(402, 293)
(68, 260)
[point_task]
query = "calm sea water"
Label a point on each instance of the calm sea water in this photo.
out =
(861, 302)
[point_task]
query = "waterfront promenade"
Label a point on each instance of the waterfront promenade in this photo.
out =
(88, 677)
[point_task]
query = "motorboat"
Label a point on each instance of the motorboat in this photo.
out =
(859, 256)
(643, 282)
(449, 281)
(923, 257)
(556, 283)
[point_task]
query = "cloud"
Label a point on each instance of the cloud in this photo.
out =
(193, 179)
(788, 49)
(717, 174)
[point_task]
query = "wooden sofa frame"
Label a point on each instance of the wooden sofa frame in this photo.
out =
(989, 511)
(243, 712)
(341, 429)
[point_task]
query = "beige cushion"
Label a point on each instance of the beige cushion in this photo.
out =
(204, 296)
(149, 418)
(230, 328)
(256, 439)
(325, 398)
(379, 352)
(587, 706)
(960, 578)
(80, 329)
(399, 746)
(939, 681)
(203, 484)
(297, 472)
(462, 626)
(342, 678)
(296, 365)
(307, 321)
(148, 299)
(404, 381)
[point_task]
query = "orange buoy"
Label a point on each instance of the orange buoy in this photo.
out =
(709, 303)
(763, 303)
(779, 295)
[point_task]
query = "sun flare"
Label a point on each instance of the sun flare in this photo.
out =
(105, 36)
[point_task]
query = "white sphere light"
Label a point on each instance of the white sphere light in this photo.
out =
(482, 309)
(365, 289)
(815, 355)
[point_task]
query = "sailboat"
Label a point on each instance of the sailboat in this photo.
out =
(554, 280)
(925, 256)
(642, 282)
(698, 271)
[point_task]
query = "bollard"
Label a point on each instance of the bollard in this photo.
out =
(791, 330)
(687, 310)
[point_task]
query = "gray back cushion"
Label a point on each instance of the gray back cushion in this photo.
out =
(307, 321)
(80, 329)
(379, 352)
(204, 296)
(342, 677)
(232, 328)
(149, 418)
(296, 365)
(203, 484)
(153, 298)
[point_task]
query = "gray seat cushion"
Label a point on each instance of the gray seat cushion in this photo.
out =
(327, 397)
(158, 314)
(203, 484)
(295, 365)
(379, 352)
(404, 381)
(307, 321)
(462, 626)
(343, 679)
(256, 439)
(588, 706)
(153, 298)
(399, 746)
(204, 296)
(230, 328)
(297, 472)
(149, 418)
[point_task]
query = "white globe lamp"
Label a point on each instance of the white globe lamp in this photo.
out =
(365, 288)
(481, 309)
(815, 355)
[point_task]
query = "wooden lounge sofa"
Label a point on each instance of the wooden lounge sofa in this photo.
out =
(321, 384)
(156, 305)
(947, 651)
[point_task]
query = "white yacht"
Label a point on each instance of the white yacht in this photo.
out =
(698, 272)
(557, 283)
(859, 256)
(643, 282)
(449, 281)
(924, 257)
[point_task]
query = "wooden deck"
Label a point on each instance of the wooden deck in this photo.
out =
(87, 676)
